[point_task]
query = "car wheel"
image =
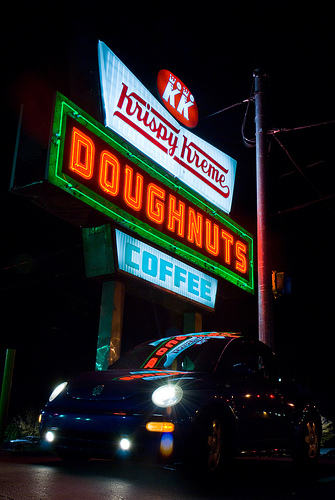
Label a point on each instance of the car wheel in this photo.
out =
(307, 450)
(209, 447)
(215, 444)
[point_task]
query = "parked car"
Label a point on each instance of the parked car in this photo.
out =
(201, 397)
(23, 443)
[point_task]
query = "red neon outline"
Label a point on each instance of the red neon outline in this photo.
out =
(241, 263)
(135, 202)
(212, 248)
(110, 187)
(229, 240)
(155, 207)
(194, 231)
(176, 216)
(79, 140)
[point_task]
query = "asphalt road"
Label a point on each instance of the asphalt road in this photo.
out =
(27, 477)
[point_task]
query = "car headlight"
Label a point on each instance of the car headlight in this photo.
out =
(167, 395)
(57, 391)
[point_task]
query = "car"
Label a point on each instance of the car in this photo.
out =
(22, 443)
(200, 398)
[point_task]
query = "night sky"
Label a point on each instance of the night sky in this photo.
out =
(50, 310)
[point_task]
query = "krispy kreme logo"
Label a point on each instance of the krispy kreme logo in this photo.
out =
(136, 115)
(148, 122)
(177, 98)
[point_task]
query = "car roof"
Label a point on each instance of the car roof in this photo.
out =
(201, 334)
(180, 337)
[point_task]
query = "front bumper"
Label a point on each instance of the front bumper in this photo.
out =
(101, 435)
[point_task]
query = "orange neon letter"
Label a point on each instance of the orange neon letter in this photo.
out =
(194, 234)
(82, 154)
(133, 201)
(228, 241)
(212, 247)
(176, 216)
(241, 263)
(109, 177)
(155, 207)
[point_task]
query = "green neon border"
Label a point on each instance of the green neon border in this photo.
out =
(63, 108)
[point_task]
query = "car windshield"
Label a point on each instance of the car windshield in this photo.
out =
(184, 353)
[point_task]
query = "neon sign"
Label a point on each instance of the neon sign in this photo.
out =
(92, 164)
(132, 112)
(144, 261)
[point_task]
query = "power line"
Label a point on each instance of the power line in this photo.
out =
(279, 130)
(312, 185)
(226, 109)
(304, 205)
(297, 167)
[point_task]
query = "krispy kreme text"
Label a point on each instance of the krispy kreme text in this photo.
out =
(135, 111)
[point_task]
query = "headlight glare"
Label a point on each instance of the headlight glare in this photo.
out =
(167, 395)
(57, 391)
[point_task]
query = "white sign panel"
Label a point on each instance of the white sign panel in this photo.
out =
(133, 113)
(142, 260)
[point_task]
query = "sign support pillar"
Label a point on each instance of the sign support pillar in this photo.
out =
(265, 318)
(192, 322)
(5, 391)
(110, 325)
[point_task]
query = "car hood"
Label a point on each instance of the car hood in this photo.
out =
(116, 385)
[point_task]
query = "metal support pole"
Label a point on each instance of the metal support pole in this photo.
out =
(5, 391)
(265, 317)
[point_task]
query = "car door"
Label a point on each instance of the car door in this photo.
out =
(253, 381)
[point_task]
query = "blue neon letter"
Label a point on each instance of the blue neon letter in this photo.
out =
(205, 289)
(130, 248)
(149, 264)
(165, 269)
(179, 276)
(193, 283)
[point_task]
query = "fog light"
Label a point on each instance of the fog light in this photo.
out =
(124, 444)
(50, 436)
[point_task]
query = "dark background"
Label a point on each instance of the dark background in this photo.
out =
(50, 310)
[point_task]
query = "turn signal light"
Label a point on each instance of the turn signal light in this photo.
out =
(160, 426)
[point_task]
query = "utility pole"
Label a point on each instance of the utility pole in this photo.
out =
(265, 316)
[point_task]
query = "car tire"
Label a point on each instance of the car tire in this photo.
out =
(308, 441)
(217, 444)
